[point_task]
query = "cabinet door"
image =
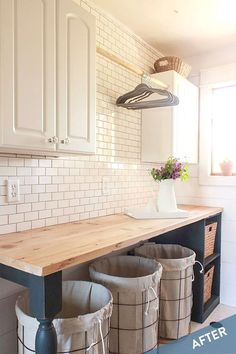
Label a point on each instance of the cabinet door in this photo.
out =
(75, 78)
(172, 131)
(157, 134)
(27, 117)
(185, 119)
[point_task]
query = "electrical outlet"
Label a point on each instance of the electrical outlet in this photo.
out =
(13, 190)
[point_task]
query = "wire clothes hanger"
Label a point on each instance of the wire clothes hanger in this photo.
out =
(134, 99)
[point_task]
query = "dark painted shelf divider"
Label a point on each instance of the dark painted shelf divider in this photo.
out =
(211, 258)
(193, 236)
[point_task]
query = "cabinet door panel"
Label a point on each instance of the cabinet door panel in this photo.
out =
(186, 122)
(27, 73)
(157, 134)
(76, 78)
(172, 131)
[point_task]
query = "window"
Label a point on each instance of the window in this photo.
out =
(223, 128)
(218, 126)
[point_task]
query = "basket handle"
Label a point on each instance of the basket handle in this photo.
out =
(162, 62)
(201, 270)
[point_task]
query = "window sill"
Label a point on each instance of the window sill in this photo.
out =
(217, 180)
(221, 175)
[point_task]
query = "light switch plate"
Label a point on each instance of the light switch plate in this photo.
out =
(13, 190)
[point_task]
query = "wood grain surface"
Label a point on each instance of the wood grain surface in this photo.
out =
(47, 250)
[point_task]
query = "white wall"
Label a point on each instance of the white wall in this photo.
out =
(225, 55)
(193, 193)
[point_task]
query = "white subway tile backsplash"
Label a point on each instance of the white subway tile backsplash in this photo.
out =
(32, 215)
(3, 220)
(29, 162)
(38, 171)
(31, 198)
(22, 226)
(45, 179)
(24, 208)
(54, 221)
(39, 188)
(6, 229)
(4, 161)
(51, 188)
(57, 212)
(16, 218)
(24, 171)
(7, 209)
(7, 171)
(38, 206)
(38, 223)
(31, 180)
(16, 162)
(45, 163)
(45, 197)
(51, 204)
(51, 172)
(45, 214)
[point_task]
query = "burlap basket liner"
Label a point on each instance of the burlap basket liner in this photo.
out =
(134, 283)
(176, 286)
(86, 307)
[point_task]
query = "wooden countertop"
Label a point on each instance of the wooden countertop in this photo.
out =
(47, 250)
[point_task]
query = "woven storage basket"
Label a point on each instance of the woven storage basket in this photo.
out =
(208, 282)
(172, 63)
(210, 237)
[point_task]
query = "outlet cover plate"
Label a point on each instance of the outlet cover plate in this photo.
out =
(13, 190)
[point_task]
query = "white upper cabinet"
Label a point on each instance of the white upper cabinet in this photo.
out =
(27, 55)
(172, 131)
(75, 78)
(47, 77)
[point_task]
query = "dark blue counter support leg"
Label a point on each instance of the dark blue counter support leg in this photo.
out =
(45, 302)
(46, 338)
(45, 297)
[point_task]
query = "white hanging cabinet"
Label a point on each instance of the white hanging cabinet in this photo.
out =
(172, 131)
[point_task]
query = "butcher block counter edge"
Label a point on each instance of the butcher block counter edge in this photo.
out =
(47, 250)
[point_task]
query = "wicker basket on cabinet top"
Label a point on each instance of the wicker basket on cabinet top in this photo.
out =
(172, 63)
(210, 236)
(208, 282)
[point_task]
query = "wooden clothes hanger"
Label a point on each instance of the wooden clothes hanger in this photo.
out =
(134, 99)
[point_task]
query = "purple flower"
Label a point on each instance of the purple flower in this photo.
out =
(172, 169)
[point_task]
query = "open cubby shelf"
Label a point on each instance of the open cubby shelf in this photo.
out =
(193, 236)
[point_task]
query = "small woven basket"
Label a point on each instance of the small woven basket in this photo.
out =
(172, 63)
(210, 237)
(208, 282)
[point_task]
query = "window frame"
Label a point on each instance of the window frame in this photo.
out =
(209, 80)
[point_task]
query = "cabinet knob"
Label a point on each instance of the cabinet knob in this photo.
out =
(53, 140)
(65, 141)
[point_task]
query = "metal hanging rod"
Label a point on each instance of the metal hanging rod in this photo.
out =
(134, 68)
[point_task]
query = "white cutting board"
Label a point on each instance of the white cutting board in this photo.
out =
(150, 212)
